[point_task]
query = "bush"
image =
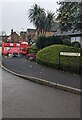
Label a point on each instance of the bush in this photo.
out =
(49, 56)
(76, 44)
(33, 49)
(66, 40)
(31, 57)
(47, 41)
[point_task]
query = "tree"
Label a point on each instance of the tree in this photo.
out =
(79, 16)
(41, 20)
(70, 15)
(49, 21)
(36, 14)
(42, 23)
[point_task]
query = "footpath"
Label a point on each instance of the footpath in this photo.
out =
(41, 74)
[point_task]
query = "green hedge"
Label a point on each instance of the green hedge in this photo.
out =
(44, 41)
(47, 41)
(76, 44)
(49, 56)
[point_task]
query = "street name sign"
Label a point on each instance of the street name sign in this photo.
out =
(69, 54)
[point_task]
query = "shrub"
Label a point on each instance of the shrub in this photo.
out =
(33, 49)
(49, 56)
(47, 41)
(31, 57)
(76, 44)
(66, 40)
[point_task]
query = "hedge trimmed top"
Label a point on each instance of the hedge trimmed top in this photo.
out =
(49, 56)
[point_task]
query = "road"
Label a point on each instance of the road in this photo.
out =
(26, 99)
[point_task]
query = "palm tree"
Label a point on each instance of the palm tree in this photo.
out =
(42, 21)
(35, 16)
(49, 21)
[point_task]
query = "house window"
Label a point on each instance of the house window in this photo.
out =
(73, 39)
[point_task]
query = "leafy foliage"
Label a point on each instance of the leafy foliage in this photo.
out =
(47, 41)
(76, 44)
(70, 15)
(40, 19)
(49, 56)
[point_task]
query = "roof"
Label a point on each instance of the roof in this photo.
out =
(77, 33)
(31, 30)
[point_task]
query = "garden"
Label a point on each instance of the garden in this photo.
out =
(47, 51)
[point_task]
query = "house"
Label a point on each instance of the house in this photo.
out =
(23, 36)
(31, 31)
(4, 38)
(13, 37)
(75, 36)
(51, 32)
(54, 29)
(0, 40)
(31, 35)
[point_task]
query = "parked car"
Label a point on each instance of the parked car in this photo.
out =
(31, 57)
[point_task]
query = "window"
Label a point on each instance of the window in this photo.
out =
(73, 39)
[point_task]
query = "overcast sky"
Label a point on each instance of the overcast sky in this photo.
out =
(14, 13)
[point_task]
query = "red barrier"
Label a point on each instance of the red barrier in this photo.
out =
(10, 48)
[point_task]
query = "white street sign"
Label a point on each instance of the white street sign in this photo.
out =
(70, 54)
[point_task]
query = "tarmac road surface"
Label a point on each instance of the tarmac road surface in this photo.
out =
(26, 99)
(25, 67)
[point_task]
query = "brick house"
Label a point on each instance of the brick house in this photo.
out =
(13, 37)
(23, 36)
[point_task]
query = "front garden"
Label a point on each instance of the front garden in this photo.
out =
(48, 54)
(50, 57)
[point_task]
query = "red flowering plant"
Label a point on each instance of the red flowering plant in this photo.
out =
(31, 57)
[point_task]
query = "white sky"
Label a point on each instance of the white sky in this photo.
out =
(14, 13)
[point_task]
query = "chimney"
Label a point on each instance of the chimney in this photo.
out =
(11, 31)
(12, 35)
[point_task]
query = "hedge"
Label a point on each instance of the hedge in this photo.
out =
(44, 41)
(76, 44)
(47, 41)
(49, 56)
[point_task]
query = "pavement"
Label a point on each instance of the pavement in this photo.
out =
(22, 67)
